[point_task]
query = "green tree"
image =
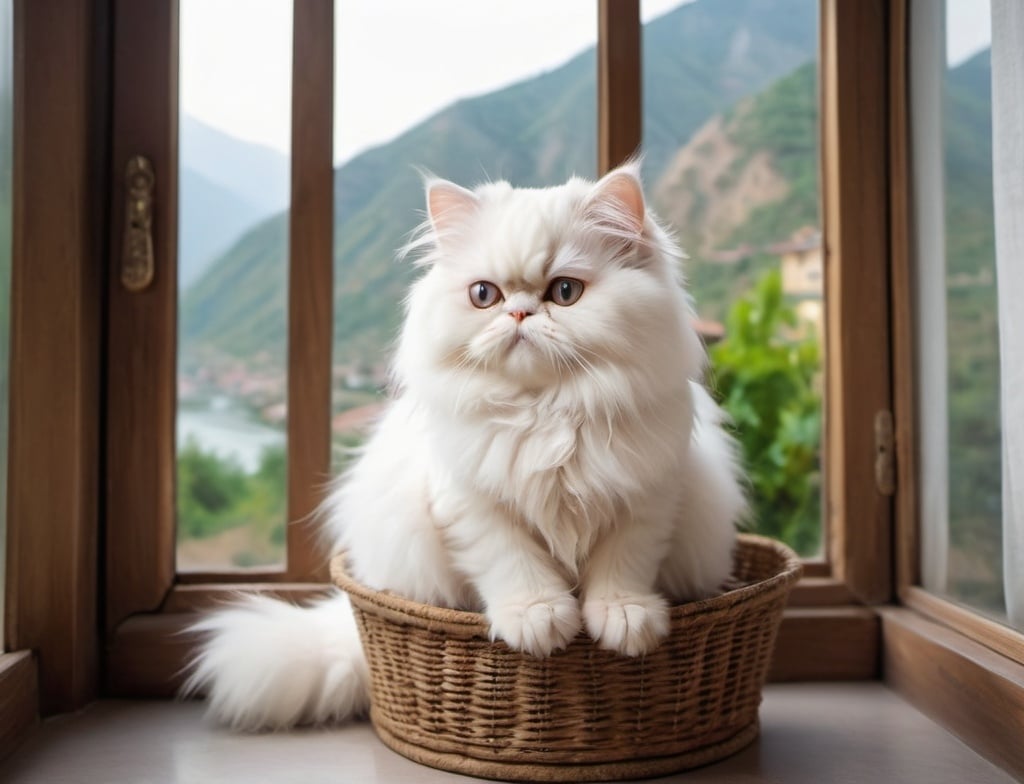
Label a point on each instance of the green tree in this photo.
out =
(767, 379)
(215, 494)
(209, 490)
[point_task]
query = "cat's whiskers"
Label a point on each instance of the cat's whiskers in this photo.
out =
(558, 349)
(551, 348)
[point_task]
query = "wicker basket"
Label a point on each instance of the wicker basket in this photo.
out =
(446, 696)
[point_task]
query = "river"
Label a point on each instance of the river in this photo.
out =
(227, 432)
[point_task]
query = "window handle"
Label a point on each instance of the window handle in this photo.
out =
(137, 255)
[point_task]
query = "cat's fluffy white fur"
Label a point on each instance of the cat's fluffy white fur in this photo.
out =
(558, 467)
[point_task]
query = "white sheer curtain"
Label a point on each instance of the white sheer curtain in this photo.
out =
(1008, 184)
(927, 67)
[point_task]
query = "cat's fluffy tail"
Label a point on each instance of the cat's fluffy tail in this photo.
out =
(265, 664)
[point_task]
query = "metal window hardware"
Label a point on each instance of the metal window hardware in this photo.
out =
(137, 254)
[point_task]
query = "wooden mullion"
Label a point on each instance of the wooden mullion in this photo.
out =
(619, 82)
(855, 136)
(310, 282)
(142, 326)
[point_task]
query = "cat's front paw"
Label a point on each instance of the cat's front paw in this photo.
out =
(631, 624)
(537, 626)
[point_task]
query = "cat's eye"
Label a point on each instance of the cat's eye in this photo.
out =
(564, 291)
(483, 294)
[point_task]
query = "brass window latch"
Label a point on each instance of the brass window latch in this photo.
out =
(137, 255)
(885, 453)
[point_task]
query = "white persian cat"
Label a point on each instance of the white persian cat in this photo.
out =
(550, 456)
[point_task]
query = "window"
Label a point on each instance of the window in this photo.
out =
(970, 569)
(148, 592)
(958, 399)
(234, 192)
(948, 648)
(833, 626)
(338, 237)
(842, 620)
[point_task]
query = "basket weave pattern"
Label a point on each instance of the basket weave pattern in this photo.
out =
(446, 695)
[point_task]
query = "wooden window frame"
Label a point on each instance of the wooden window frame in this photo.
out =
(141, 573)
(148, 602)
(60, 132)
(857, 616)
(998, 637)
(963, 670)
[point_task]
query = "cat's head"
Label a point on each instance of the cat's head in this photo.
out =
(535, 287)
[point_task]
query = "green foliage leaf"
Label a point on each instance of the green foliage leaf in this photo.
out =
(766, 378)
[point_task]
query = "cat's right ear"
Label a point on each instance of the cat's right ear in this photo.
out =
(449, 206)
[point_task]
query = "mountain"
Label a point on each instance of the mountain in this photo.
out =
(699, 59)
(258, 172)
(967, 127)
(211, 218)
(746, 179)
(227, 186)
(749, 174)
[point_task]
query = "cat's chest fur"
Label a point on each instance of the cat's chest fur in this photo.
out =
(561, 472)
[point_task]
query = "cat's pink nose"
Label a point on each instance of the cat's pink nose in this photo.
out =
(518, 315)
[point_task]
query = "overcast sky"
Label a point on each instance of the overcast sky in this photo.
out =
(399, 61)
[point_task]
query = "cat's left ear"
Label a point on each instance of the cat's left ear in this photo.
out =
(449, 206)
(616, 204)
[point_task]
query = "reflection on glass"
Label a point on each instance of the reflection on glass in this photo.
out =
(235, 94)
(731, 164)
(6, 111)
(468, 102)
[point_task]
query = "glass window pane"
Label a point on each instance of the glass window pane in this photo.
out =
(961, 500)
(234, 136)
(468, 102)
(731, 164)
(6, 151)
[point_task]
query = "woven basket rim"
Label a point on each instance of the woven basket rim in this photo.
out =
(466, 623)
